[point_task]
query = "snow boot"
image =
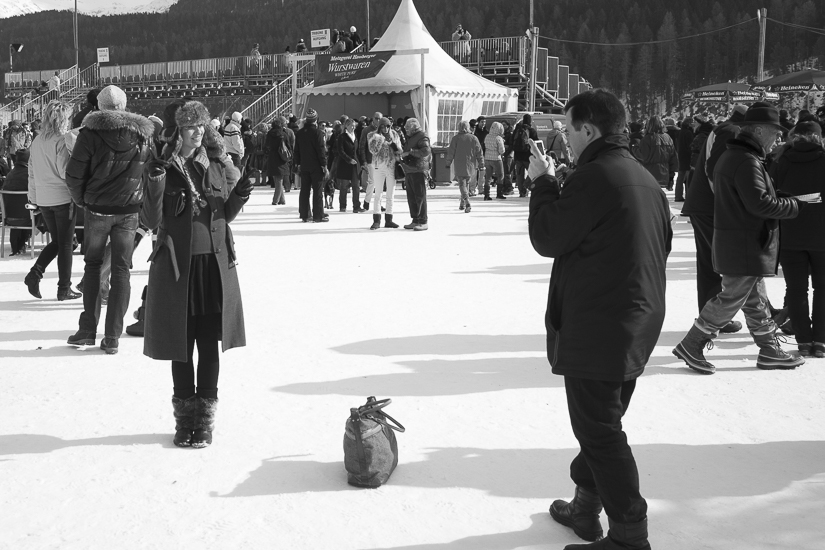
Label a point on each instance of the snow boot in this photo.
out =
(389, 223)
(185, 411)
(33, 278)
(136, 329)
(204, 422)
(365, 207)
(581, 514)
(691, 350)
(376, 221)
(620, 536)
(772, 356)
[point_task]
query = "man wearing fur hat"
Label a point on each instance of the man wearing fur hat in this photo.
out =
(311, 158)
(105, 175)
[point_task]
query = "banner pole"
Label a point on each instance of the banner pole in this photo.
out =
(424, 124)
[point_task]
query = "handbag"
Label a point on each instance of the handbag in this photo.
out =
(370, 447)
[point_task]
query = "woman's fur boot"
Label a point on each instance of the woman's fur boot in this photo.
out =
(185, 411)
(204, 422)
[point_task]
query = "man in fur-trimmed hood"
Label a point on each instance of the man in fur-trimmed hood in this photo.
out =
(105, 174)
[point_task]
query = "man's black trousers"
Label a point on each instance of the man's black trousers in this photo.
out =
(605, 463)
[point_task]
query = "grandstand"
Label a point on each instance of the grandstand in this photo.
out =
(264, 87)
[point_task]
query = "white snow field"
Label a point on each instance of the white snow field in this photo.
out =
(449, 323)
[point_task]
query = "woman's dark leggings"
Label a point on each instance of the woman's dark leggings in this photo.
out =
(205, 330)
(60, 222)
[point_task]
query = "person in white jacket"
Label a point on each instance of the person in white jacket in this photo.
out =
(48, 190)
(233, 139)
(385, 148)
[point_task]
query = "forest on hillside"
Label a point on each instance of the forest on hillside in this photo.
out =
(642, 74)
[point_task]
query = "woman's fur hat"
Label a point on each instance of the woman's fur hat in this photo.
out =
(182, 113)
(192, 113)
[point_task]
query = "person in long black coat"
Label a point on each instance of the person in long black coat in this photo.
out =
(801, 171)
(277, 169)
(347, 172)
(683, 141)
(193, 295)
(608, 231)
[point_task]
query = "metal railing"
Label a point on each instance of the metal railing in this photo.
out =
(488, 51)
(278, 100)
(548, 96)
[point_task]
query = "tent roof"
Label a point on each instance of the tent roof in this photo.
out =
(403, 73)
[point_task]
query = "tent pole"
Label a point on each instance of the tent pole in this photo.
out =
(424, 124)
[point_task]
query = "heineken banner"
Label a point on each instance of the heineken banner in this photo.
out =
(333, 68)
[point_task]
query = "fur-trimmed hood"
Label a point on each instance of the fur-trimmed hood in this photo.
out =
(120, 130)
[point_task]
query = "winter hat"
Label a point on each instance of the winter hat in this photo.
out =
(527, 119)
(111, 98)
(215, 123)
(170, 125)
(192, 113)
(352, 29)
(312, 115)
(764, 114)
(22, 157)
(801, 129)
(293, 119)
(236, 117)
(385, 121)
(738, 114)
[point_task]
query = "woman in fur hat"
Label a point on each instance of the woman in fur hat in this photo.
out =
(385, 146)
(194, 296)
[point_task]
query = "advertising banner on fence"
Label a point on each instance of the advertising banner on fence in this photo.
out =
(330, 69)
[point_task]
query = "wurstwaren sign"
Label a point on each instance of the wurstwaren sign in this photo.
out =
(333, 68)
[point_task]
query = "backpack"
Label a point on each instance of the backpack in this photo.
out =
(521, 139)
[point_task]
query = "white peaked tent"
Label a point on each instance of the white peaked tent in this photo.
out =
(453, 93)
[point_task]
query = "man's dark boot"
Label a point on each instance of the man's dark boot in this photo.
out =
(185, 411)
(204, 422)
(621, 536)
(136, 329)
(64, 294)
(376, 221)
(772, 356)
(365, 207)
(581, 514)
(32, 280)
(691, 350)
(389, 223)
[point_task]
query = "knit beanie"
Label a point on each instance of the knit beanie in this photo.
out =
(312, 116)
(111, 98)
(237, 117)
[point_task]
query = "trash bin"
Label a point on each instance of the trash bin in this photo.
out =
(441, 173)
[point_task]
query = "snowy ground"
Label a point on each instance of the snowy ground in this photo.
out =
(449, 323)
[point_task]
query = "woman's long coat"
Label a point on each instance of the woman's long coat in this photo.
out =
(168, 205)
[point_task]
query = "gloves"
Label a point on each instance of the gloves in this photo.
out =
(244, 188)
(156, 166)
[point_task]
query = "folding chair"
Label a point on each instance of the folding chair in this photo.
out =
(12, 207)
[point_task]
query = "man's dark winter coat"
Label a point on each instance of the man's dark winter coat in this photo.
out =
(105, 172)
(609, 233)
(747, 212)
(310, 149)
(683, 147)
(699, 195)
(800, 171)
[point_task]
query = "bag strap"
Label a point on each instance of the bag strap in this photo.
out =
(359, 444)
(380, 416)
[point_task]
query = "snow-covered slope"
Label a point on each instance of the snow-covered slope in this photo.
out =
(10, 8)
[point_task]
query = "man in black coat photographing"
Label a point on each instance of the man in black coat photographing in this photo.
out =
(608, 231)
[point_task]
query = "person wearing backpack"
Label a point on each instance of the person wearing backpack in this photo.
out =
(279, 157)
(522, 135)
